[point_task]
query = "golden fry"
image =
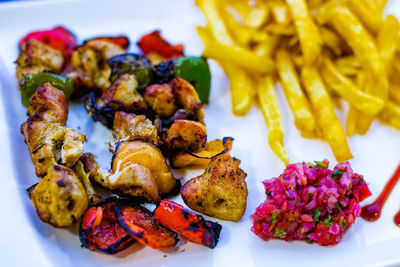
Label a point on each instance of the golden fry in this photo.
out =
(395, 89)
(345, 88)
(307, 31)
(269, 105)
(214, 19)
(280, 12)
(278, 29)
(298, 102)
(332, 40)
(391, 115)
(368, 12)
(353, 113)
(388, 40)
(236, 55)
(248, 15)
(332, 130)
(349, 27)
(242, 89)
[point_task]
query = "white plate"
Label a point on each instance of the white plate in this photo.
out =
(25, 240)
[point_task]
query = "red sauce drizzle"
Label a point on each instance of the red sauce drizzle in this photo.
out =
(372, 212)
(396, 218)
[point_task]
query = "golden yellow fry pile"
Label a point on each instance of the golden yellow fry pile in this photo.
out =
(318, 50)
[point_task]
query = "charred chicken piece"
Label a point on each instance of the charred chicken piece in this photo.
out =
(128, 127)
(161, 99)
(89, 64)
(186, 134)
(121, 96)
(49, 104)
(220, 192)
(50, 144)
(36, 56)
(59, 198)
(187, 97)
(212, 149)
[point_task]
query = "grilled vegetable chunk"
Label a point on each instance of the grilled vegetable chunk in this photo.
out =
(121, 96)
(50, 144)
(146, 155)
(187, 97)
(130, 127)
(161, 99)
(220, 192)
(187, 223)
(59, 199)
(101, 231)
(186, 134)
(134, 64)
(212, 149)
(140, 224)
(89, 64)
(49, 104)
(79, 170)
(36, 56)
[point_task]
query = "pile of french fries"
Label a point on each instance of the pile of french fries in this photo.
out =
(319, 51)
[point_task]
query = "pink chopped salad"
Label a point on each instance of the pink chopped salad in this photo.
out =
(310, 202)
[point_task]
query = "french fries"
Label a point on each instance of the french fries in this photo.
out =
(298, 102)
(332, 130)
(348, 90)
(339, 48)
(307, 31)
(269, 105)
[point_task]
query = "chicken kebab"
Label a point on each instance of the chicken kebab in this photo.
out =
(153, 103)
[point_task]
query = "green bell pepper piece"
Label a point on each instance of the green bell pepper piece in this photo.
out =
(196, 71)
(135, 64)
(30, 83)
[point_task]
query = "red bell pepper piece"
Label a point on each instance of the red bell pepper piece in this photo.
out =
(187, 223)
(59, 38)
(154, 42)
(142, 226)
(122, 41)
(101, 231)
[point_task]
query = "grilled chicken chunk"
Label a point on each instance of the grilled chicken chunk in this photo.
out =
(121, 96)
(36, 56)
(49, 104)
(220, 192)
(161, 99)
(50, 144)
(89, 62)
(186, 134)
(187, 97)
(59, 198)
(129, 127)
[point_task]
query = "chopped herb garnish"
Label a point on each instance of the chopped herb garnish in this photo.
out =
(336, 209)
(309, 194)
(321, 164)
(317, 212)
(274, 216)
(328, 222)
(279, 233)
(309, 241)
(336, 174)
